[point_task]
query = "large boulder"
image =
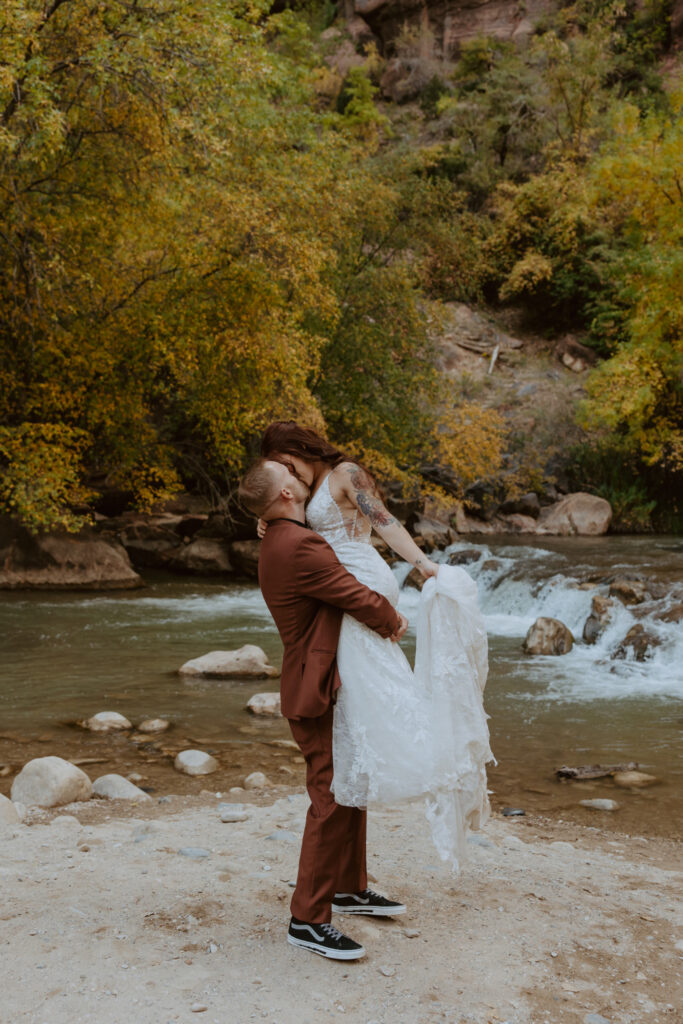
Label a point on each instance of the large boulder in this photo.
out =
(115, 787)
(203, 555)
(149, 542)
(434, 533)
(62, 561)
(630, 591)
(578, 514)
(246, 661)
(49, 782)
(244, 556)
(548, 636)
(525, 505)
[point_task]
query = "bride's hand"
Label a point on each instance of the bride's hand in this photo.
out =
(426, 568)
(261, 528)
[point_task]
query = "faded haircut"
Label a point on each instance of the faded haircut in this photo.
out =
(258, 488)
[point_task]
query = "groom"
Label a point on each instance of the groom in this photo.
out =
(307, 591)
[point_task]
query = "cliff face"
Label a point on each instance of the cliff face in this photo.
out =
(444, 25)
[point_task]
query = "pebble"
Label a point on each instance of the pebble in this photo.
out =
(257, 780)
(135, 777)
(513, 812)
(236, 789)
(152, 725)
(164, 800)
(600, 805)
(194, 852)
(411, 933)
(634, 780)
(233, 813)
(198, 1008)
(595, 1018)
(388, 972)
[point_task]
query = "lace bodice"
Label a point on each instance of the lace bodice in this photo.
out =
(324, 516)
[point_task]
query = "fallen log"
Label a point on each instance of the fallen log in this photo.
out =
(594, 771)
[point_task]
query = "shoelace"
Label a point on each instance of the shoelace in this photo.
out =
(331, 932)
(370, 894)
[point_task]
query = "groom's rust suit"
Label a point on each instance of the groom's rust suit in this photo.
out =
(307, 591)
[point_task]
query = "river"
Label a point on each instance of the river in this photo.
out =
(69, 655)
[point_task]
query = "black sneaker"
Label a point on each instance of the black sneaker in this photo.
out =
(366, 902)
(324, 939)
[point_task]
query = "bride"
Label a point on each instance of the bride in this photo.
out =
(398, 734)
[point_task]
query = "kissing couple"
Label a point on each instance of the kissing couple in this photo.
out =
(371, 729)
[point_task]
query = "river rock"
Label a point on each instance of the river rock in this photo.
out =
(202, 555)
(246, 661)
(154, 725)
(673, 614)
(600, 805)
(195, 762)
(434, 533)
(244, 555)
(115, 787)
(8, 812)
(638, 641)
(49, 782)
(414, 579)
(598, 618)
(630, 591)
(579, 514)
(107, 721)
(548, 636)
(257, 780)
(232, 812)
(62, 561)
(515, 522)
(465, 557)
(148, 541)
(265, 704)
(634, 780)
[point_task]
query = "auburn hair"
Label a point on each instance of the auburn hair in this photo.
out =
(286, 437)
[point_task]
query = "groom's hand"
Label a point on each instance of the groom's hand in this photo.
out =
(402, 628)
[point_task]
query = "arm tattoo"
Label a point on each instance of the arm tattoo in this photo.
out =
(370, 506)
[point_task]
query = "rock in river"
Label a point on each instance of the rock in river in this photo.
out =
(265, 704)
(257, 780)
(115, 787)
(107, 721)
(154, 725)
(195, 762)
(246, 661)
(8, 812)
(634, 780)
(548, 636)
(600, 805)
(49, 782)
(578, 514)
(638, 641)
(598, 618)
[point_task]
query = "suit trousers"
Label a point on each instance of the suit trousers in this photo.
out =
(333, 847)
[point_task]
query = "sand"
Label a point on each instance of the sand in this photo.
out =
(108, 923)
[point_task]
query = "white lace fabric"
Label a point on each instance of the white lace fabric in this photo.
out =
(401, 734)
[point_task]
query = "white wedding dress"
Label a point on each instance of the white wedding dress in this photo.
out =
(401, 734)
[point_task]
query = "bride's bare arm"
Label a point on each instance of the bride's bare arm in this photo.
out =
(358, 488)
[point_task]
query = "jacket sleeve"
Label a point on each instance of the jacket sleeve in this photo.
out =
(320, 574)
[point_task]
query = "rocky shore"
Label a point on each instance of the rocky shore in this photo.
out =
(177, 912)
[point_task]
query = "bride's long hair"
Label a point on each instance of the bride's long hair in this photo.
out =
(286, 437)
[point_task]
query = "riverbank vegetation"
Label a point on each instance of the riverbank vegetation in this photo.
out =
(205, 227)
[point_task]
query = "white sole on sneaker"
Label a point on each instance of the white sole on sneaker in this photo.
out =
(370, 911)
(331, 954)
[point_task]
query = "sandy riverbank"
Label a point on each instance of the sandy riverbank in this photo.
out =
(105, 923)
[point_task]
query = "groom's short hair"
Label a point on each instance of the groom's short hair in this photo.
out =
(258, 488)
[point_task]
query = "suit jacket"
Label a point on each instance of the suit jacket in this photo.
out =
(307, 590)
